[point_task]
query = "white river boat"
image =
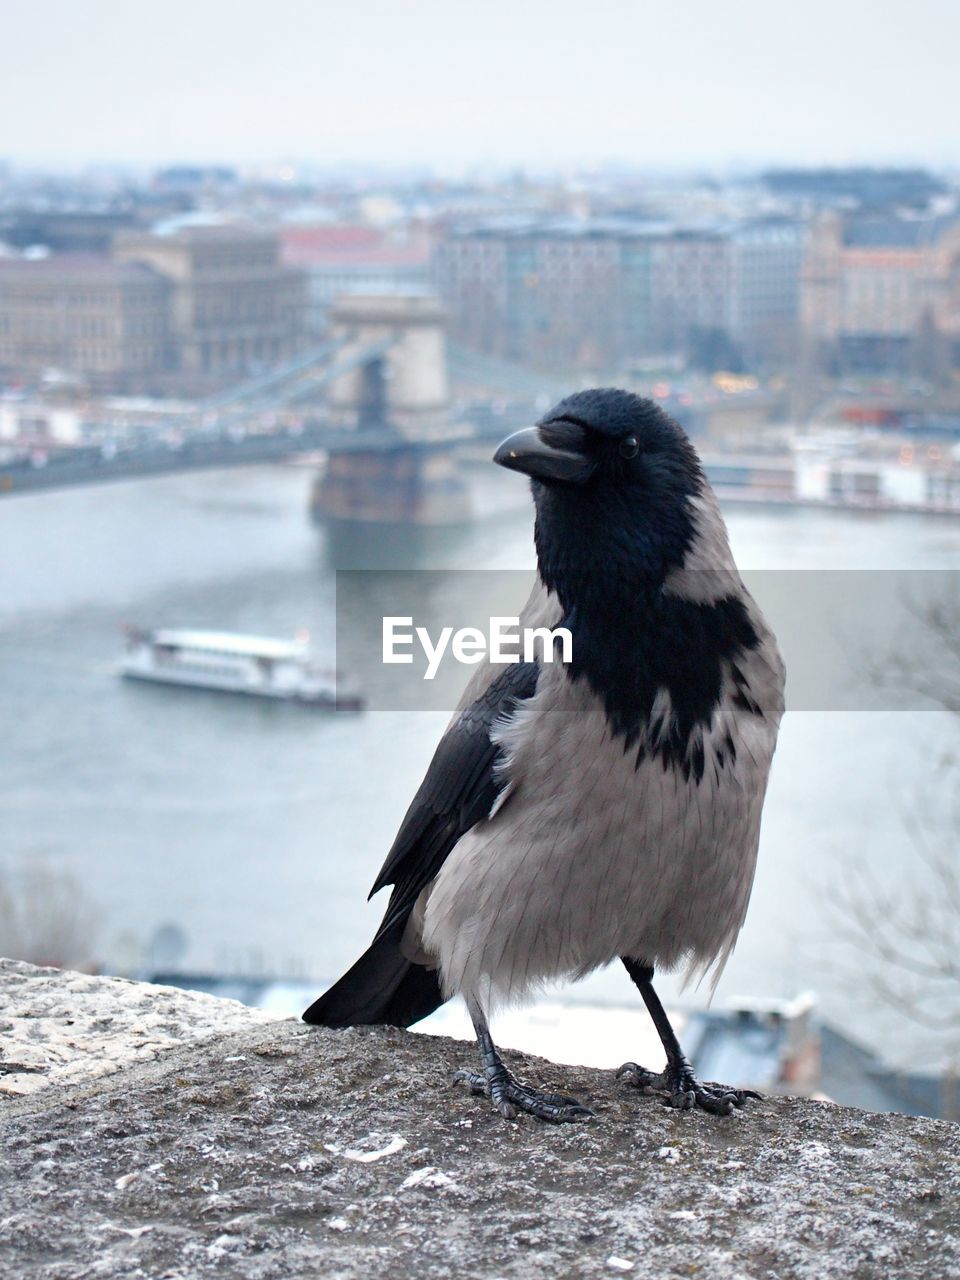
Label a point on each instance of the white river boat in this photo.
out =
(225, 661)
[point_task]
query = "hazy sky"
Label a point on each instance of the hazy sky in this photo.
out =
(669, 83)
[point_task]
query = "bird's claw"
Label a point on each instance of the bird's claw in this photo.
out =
(682, 1090)
(510, 1096)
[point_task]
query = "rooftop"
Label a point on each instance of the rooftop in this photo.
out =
(66, 268)
(619, 228)
(895, 233)
(345, 245)
(199, 233)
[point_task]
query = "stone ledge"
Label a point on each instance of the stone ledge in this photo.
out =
(58, 1027)
(284, 1151)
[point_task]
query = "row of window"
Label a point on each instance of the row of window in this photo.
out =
(82, 356)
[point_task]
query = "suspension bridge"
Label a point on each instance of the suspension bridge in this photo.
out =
(385, 397)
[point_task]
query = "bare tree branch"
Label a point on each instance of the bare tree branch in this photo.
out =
(900, 945)
(46, 919)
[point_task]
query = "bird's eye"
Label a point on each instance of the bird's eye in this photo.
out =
(629, 447)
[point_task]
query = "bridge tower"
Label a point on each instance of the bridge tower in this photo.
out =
(412, 369)
(394, 388)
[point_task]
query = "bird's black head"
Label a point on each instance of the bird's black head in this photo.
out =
(612, 477)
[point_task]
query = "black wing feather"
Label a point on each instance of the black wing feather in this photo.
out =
(459, 790)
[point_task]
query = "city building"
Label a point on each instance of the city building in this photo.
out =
(762, 303)
(84, 231)
(183, 312)
(196, 181)
(552, 294)
(880, 293)
(690, 283)
(866, 188)
(600, 293)
(87, 316)
(339, 260)
(233, 306)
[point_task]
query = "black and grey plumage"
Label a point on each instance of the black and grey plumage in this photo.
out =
(609, 807)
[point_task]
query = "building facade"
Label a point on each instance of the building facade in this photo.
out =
(169, 313)
(233, 308)
(600, 293)
(545, 295)
(762, 302)
(881, 294)
(103, 321)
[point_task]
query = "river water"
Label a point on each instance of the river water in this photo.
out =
(257, 829)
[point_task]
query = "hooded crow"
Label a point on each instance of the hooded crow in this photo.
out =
(605, 807)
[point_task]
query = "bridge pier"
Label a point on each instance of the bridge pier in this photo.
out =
(402, 388)
(406, 483)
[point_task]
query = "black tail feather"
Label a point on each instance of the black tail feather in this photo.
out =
(383, 987)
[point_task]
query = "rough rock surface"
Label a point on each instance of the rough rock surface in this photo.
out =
(57, 1027)
(282, 1151)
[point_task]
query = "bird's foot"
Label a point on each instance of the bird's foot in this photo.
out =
(679, 1087)
(509, 1096)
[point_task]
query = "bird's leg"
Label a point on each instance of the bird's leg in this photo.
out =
(506, 1093)
(676, 1084)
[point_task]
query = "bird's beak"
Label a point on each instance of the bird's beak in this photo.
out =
(558, 459)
